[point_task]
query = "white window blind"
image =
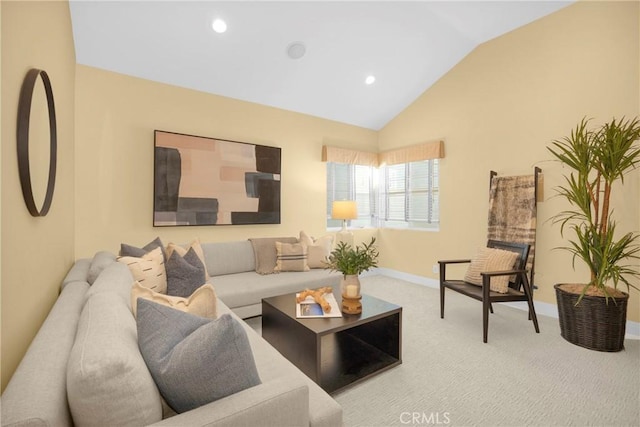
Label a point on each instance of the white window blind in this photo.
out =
(402, 195)
(351, 182)
(409, 195)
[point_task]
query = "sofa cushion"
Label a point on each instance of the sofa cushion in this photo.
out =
(265, 252)
(291, 257)
(184, 274)
(244, 289)
(194, 360)
(323, 410)
(100, 260)
(148, 269)
(491, 259)
(229, 257)
(201, 303)
(115, 278)
(108, 382)
(77, 273)
(130, 250)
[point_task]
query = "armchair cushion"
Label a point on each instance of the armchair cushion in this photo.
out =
(491, 259)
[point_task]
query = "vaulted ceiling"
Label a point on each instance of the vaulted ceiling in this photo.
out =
(406, 46)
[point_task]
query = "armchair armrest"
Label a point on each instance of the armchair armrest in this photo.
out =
(454, 261)
(502, 273)
(487, 275)
(279, 402)
(443, 267)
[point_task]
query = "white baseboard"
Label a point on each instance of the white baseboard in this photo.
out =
(542, 308)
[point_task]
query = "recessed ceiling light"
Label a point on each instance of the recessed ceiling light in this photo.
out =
(369, 80)
(219, 26)
(296, 50)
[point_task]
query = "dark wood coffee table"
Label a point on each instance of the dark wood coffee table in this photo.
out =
(335, 352)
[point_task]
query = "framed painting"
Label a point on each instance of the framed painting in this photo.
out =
(208, 181)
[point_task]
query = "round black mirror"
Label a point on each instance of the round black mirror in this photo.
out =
(24, 119)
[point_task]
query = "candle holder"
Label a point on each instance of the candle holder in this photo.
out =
(351, 297)
(352, 305)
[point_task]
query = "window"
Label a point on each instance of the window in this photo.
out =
(403, 195)
(408, 195)
(351, 182)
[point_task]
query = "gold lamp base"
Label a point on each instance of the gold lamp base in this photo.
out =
(351, 305)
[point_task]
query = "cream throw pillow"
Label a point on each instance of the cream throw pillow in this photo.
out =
(148, 270)
(318, 250)
(291, 257)
(490, 259)
(201, 303)
(182, 251)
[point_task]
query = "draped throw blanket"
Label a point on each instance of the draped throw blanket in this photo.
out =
(512, 211)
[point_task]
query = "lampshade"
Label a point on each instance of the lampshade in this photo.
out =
(344, 209)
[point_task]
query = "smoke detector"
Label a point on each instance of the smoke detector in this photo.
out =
(296, 50)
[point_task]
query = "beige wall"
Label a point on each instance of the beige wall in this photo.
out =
(498, 110)
(34, 35)
(1, 138)
(115, 119)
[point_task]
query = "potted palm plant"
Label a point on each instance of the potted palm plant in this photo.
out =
(351, 262)
(593, 314)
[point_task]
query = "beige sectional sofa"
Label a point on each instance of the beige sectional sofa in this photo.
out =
(84, 366)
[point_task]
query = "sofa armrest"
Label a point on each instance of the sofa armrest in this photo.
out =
(37, 392)
(280, 402)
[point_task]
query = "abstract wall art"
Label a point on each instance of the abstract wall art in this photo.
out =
(207, 181)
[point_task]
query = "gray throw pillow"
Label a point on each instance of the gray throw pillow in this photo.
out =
(184, 274)
(193, 360)
(129, 250)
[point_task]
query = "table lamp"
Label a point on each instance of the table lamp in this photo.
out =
(344, 210)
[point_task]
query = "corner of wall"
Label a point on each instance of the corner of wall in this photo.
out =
(34, 35)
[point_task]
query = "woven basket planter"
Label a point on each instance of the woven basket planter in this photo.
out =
(592, 324)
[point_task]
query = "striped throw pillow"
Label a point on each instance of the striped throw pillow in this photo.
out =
(291, 257)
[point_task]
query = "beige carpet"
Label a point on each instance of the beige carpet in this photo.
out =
(450, 377)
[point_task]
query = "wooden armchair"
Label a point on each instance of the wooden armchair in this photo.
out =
(518, 289)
